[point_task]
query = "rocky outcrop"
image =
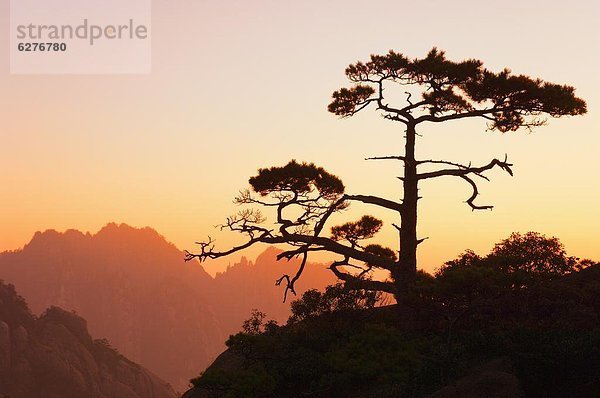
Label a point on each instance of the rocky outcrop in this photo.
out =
(54, 356)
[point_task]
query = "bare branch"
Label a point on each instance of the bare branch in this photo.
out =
(291, 282)
(207, 248)
(474, 195)
(419, 241)
(387, 158)
(460, 166)
(465, 170)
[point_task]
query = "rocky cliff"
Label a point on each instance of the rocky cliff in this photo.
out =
(54, 356)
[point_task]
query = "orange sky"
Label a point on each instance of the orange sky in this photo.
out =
(241, 85)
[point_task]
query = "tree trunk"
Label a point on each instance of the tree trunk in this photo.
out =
(405, 275)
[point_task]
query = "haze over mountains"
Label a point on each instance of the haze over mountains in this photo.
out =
(134, 289)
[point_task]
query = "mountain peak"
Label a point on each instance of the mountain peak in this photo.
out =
(112, 232)
(126, 230)
(52, 238)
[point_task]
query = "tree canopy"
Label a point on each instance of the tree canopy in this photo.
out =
(454, 90)
(303, 196)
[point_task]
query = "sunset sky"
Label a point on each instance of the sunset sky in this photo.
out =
(238, 85)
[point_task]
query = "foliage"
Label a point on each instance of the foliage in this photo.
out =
(300, 178)
(365, 228)
(380, 251)
(253, 325)
(532, 253)
(457, 89)
(339, 343)
(335, 298)
(517, 260)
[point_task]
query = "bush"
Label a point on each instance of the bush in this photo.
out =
(336, 298)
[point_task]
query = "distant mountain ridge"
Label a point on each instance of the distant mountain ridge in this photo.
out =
(134, 289)
(54, 356)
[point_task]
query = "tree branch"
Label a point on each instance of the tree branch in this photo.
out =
(359, 283)
(207, 248)
(454, 116)
(375, 200)
(387, 158)
(291, 282)
(464, 170)
(326, 244)
(474, 195)
(385, 107)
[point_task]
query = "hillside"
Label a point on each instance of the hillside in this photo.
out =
(135, 290)
(54, 356)
(477, 334)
